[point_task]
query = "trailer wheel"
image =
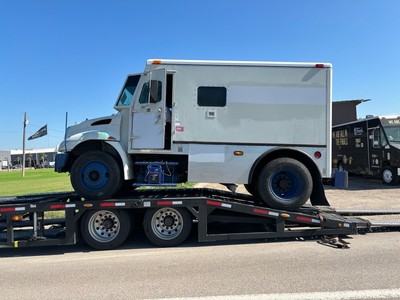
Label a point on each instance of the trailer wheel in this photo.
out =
(167, 226)
(105, 229)
(285, 183)
(389, 176)
(96, 175)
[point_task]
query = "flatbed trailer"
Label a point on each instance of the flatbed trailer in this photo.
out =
(168, 216)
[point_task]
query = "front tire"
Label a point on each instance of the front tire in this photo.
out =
(167, 227)
(96, 175)
(389, 177)
(105, 229)
(285, 183)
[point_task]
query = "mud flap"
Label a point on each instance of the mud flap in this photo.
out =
(318, 195)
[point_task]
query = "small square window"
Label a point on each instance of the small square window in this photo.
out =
(211, 96)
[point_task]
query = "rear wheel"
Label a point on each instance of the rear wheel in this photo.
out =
(105, 229)
(285, 183)
(251, 188)
(389, 176)
(167, 226)
(96, 175)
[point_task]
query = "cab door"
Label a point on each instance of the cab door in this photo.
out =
(376, 152)
(148, 124)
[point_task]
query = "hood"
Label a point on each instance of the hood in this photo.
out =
(104, 128)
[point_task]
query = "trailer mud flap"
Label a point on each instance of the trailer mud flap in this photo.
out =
(318, 196)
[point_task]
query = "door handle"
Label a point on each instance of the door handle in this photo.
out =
(159, 115)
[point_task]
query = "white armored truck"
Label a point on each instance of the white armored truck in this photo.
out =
(263, 124)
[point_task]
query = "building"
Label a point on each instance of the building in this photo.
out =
(5, 158)
(345, 111)
(34, 158)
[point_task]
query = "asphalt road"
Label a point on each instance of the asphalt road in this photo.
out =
(138, 270)
(289, 269)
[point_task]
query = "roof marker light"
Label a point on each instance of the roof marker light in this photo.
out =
(156, 62)
(319, 65)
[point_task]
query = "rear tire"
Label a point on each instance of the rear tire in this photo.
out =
(96, 175)
(252, 189)
(105, 229)
(167, 226)
(389, 177)
(285, 183)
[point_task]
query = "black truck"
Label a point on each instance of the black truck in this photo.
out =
(369, 146)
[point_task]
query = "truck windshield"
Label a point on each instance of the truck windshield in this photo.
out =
(393, 133)
(126, 96)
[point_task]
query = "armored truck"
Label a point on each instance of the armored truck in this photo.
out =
(266, 125)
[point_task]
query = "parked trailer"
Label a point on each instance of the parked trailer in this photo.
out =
(167, 217)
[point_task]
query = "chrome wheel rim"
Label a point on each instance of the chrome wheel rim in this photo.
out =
(167, 223)
(104, 226)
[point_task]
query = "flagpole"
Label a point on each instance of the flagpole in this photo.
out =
(23, 146)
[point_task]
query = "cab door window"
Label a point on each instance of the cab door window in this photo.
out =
(152, 93)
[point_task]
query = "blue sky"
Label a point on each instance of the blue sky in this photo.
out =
(73, 56)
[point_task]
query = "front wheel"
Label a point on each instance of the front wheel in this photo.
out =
(389, 176)
(96, 175)
(105, 229)
(167, 226)
(285, 183)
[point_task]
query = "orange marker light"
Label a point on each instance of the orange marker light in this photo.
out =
(238, 153)
(156, 62)
(16, 218)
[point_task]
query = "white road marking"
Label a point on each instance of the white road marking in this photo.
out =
(338, 295)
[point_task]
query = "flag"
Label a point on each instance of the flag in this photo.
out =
(41, 132)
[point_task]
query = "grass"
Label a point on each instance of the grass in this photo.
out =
(40, 181)
(35, 181)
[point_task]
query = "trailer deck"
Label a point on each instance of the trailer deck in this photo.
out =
(58, 218)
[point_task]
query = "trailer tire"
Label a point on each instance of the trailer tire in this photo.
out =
(285, 183)
(96, 175)
(167, 226)
(105, 229)
(389, 177)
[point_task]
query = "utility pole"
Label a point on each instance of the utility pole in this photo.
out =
(23, 145)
